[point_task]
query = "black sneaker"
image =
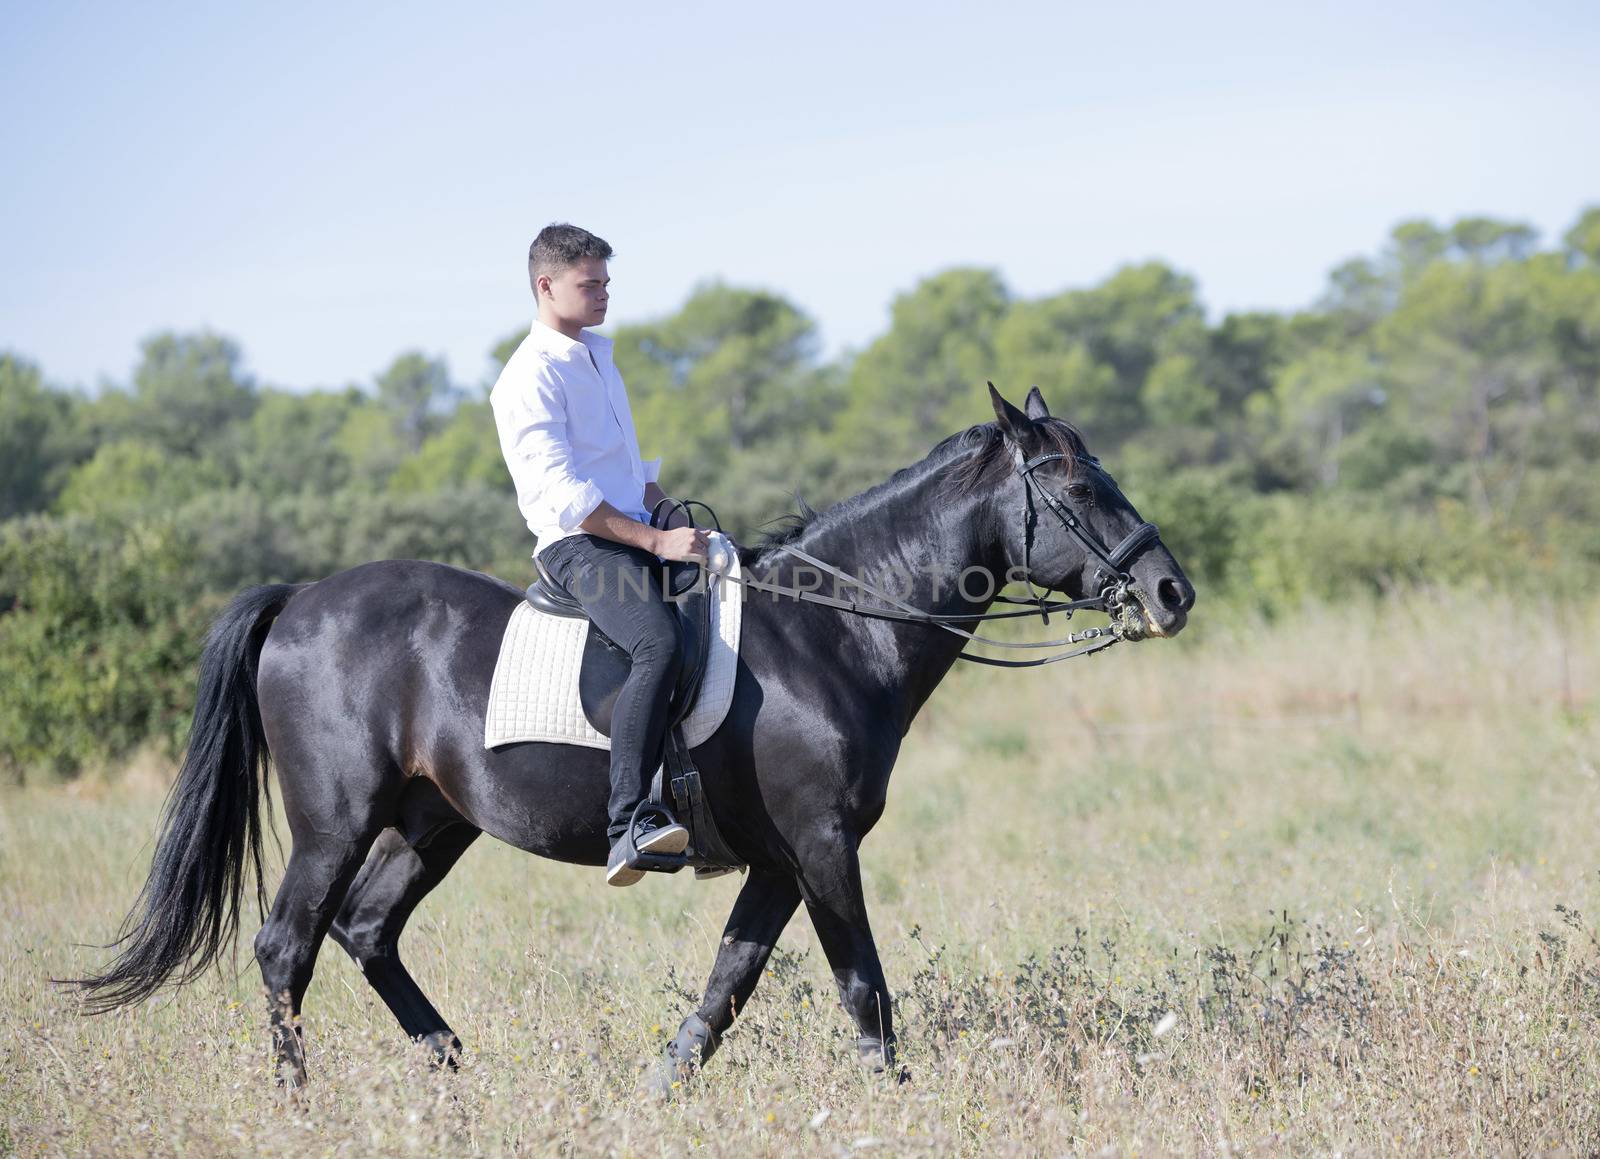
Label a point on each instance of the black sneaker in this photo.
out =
(652, 837)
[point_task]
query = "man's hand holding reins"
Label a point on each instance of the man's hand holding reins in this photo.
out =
(688, 544)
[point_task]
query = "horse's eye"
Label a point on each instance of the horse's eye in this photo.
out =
(1080, 492)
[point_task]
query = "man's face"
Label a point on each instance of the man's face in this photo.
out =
(578, 293)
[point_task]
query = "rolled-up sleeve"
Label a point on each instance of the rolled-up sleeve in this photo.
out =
(532, 423)
(652, 470)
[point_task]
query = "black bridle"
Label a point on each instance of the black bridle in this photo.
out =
(1112, 581)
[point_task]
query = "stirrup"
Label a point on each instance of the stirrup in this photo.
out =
(654, 862)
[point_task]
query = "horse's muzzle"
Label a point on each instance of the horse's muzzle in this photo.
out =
(1164, 615)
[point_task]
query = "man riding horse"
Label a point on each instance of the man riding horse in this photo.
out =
(567, 434)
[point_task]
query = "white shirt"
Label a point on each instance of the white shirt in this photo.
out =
(567, 433)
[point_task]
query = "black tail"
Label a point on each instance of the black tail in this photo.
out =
(211, 827)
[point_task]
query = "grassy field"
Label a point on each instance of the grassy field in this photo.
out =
(1324, 884)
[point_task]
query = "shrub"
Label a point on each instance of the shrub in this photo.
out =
(101, 636)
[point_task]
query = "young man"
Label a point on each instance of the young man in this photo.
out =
(567, 434)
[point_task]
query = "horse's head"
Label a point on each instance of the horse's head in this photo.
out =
(1079, 517)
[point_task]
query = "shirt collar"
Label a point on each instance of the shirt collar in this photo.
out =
(550, 339)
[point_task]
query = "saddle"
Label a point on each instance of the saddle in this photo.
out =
(604, 668)
(606, 664)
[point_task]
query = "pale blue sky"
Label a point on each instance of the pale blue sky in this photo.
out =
(333, 183)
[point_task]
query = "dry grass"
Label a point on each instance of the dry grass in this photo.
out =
(1271, 887)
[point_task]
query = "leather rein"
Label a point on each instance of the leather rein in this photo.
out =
(1111, 578)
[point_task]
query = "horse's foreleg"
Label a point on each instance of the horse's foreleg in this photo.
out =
(396, 877)
(839, 912)
(764, 906)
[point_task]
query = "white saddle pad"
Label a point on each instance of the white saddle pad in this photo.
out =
(534, 696)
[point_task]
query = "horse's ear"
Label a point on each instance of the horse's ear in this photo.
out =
(1012, 421)
(1035, 406)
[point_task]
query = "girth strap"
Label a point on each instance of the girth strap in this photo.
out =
(677, 786)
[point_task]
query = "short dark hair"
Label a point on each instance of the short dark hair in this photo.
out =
(560, 246)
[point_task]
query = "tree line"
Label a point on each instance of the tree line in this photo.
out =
(1432, 418)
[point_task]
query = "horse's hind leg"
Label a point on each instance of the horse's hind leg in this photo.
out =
(320, 870)
(395, 878)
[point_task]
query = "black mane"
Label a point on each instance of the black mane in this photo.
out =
(967, 471)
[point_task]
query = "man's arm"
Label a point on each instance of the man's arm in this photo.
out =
(684, 543)
(609, 523)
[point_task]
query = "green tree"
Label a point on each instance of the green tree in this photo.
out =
(133, 476)
(1177, 392)
(1035, 345)
(1413, 247)
(1243, 356)
(416, 391)
(292, 442)
(1093, 350)
(187, 390)
(38, 439)
(1359, 295)
(1319, 399)
(1583, 239)
(724, 391)
(464, 453)
(374, 448)
(1489, 241)
(105, 624)
(920, 381)
(1467, 358)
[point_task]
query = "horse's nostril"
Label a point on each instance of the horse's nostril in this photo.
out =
(1175, 595)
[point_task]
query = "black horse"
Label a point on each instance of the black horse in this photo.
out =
(368, 690)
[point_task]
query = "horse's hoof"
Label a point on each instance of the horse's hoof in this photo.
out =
(690, 1047)
(446, 1048)
(666, 1078)
(876, 1055)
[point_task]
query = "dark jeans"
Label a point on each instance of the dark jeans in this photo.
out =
(620, 587)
